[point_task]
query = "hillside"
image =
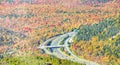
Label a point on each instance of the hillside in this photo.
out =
(25, 24)
(99, 42)
(8, 39)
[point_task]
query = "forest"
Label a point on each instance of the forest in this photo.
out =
(100, 40)
(24, 26)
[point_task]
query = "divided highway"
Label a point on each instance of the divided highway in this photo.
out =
(58, 46)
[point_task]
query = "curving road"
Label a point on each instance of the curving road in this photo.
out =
(53, 47)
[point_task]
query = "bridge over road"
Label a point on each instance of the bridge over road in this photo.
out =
(54, 44)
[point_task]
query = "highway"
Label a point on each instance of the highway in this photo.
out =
(53, 47)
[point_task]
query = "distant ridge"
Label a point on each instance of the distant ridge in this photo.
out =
(78, 2)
